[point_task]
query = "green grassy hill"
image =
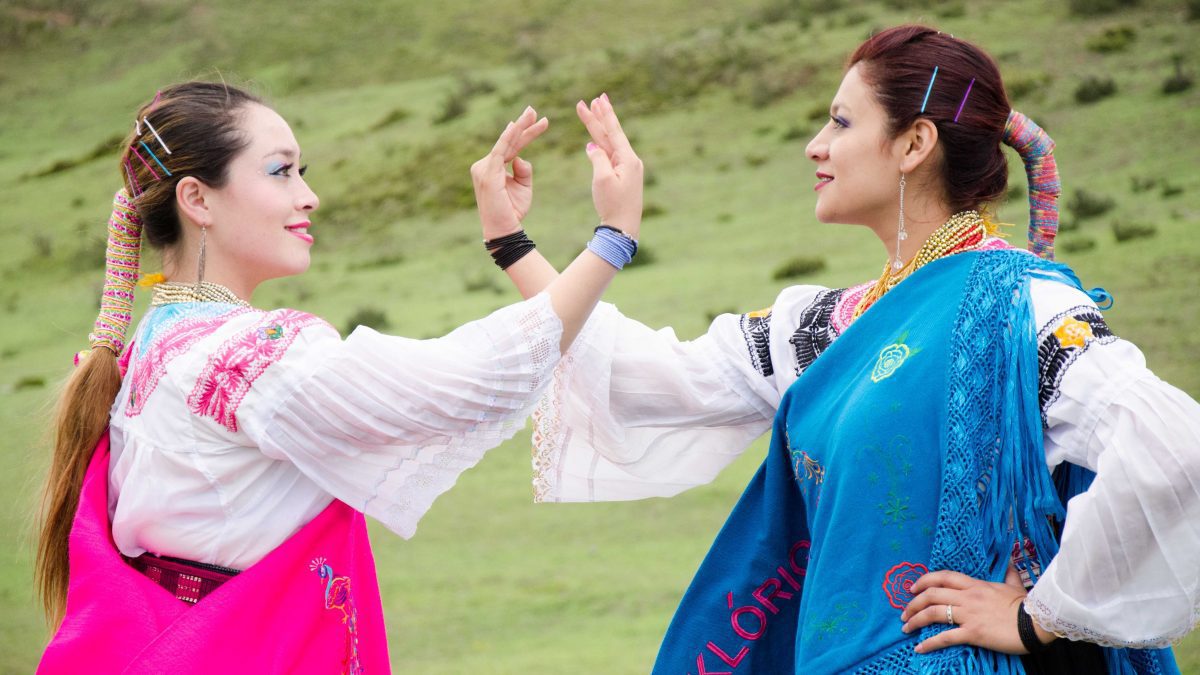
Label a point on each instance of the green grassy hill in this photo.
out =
(392, 100)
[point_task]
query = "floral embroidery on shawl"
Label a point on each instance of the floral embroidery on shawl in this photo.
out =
(338, 595)
(891, 358)
(237, 363)
(898, 582)
(166, 340)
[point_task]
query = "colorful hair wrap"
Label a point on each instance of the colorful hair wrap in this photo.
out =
(1037, 152)
(120, 275)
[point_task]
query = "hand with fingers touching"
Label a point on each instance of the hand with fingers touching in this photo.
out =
(504, 199)
(983, 613)
(616, 168)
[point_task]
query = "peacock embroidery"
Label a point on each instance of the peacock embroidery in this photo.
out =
(339, 596)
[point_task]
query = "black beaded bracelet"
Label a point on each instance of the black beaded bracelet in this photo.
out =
(509, 249)
(1028, 635)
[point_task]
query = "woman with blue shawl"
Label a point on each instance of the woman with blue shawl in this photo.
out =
(928, 427)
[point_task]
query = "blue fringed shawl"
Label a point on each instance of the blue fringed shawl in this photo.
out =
(913, 443)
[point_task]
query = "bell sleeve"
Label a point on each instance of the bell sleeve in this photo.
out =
(634, 412)
(1128, 570)
(387, 424)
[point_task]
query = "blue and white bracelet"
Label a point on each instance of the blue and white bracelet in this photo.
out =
(613, 246)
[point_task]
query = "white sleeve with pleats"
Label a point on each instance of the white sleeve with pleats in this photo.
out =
(1128, 570)
(386, 424)
(635, 412)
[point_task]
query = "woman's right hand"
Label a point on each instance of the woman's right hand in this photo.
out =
(616, 168)
(504, 199)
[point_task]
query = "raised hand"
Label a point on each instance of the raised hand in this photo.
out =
(616, 168)
(504, 199)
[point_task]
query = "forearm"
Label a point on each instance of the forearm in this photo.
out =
(532, 274)
(573, 294)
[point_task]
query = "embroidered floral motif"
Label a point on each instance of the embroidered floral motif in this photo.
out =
(843, 311)
(815, 330)
(890, 358)
(898, 582)
(756, 329)
(235, 365)
(1073, 333)
(812, 468)
(339, 596)
(1063, 340)
(168, 341)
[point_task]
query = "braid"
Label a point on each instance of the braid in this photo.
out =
(120, 275)
(1037, 152)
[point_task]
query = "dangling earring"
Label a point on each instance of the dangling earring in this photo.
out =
(200, 262)
(901, 235)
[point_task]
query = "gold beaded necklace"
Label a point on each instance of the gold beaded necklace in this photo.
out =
(171, 292)
(965, 231)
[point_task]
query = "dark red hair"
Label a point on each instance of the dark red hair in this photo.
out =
(898, 64)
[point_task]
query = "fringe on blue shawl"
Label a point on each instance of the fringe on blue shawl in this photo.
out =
(1016, 497)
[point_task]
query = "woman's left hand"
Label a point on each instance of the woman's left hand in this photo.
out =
(984, 613)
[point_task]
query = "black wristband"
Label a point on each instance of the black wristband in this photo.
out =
(1028, 635)
(509, 249)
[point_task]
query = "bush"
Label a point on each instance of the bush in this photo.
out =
(756, 160)
(652, 210)
(1115, 39)
(1087, 205)
(1193, 10)
(1023, 85)
(800, 266)
(1067, 226)
(1169, 190)
(30, 382)
(644, 257)
(1139, 184)
(1078, 245)
(794, 133)
(1128, 231)
(712, 314)
(1179, 81)
(394, 116)
(1098, 7)
(1094, 89)
(371, 317)
(1014, 192)
(483, 280)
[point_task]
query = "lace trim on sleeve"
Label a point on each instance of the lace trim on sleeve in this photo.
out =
(1045, 617)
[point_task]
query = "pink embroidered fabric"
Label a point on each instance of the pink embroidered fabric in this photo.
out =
(311, 606)
(235, 365)
(149, 368)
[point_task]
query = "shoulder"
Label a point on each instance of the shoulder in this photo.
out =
(261, 352)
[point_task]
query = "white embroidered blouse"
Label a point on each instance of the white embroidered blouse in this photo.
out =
(635, 413)
(234, 427)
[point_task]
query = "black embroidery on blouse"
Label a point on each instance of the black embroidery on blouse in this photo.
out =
(756, 329)
(815, 332)
(1061, 342)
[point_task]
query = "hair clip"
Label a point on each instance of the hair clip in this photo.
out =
(930, 88)
(155, 132)
(154, 157)
(964, 100)
(133, 181)
(144, 162)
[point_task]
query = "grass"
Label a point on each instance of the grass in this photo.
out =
(492, 583)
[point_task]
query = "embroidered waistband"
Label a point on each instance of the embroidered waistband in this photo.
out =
(187, 580)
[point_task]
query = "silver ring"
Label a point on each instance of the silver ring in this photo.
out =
(950, 615)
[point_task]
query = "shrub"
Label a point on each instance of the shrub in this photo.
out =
(1128, 231)
(29, 382)
(394, 116)
(1179, 81)
(1094, 89)
(652, 210)
(800, 266)
(371, 317)
(1078, 245)
(483, 280)
(453, 107)
(644, 257)
(1098, 7)
(712, 314)
(794, 133)
(756, 160)
(1193, 10)
(1022, 85)
(1169, 190)
(1067, 225)
(1087, 205)
(1114, 39)
(1139, 184)
(1015, 191)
